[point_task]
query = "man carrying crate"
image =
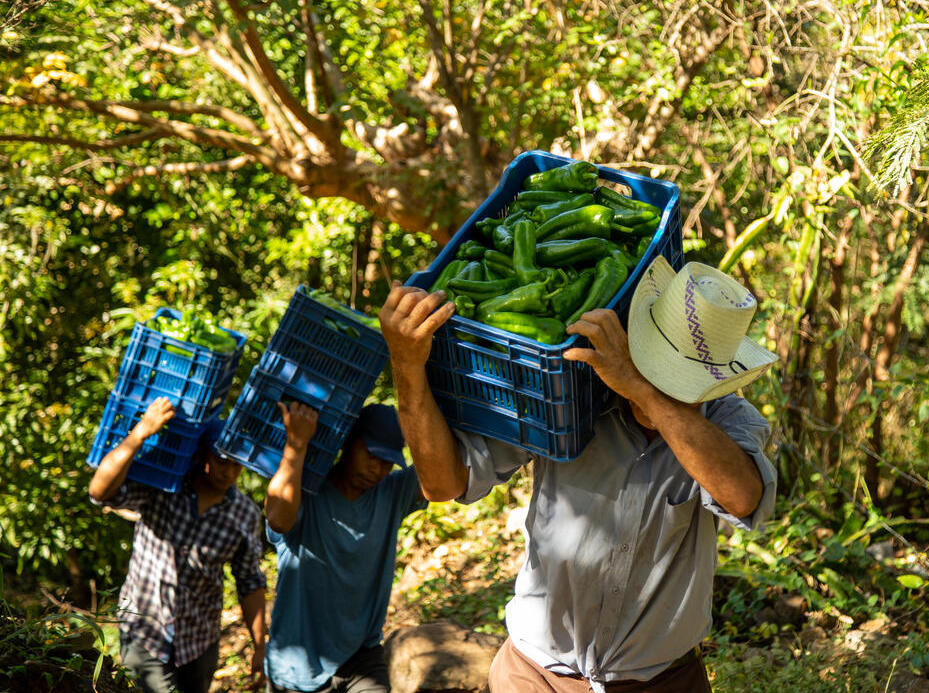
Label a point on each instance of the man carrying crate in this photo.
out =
(336, 552)
(616, 590)
(172, 600)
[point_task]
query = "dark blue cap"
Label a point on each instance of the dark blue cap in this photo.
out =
(379, 428)
(209, 435)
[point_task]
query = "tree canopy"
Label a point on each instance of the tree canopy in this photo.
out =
(218, 153)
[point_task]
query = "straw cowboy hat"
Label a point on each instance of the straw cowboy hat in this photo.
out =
(687, 332)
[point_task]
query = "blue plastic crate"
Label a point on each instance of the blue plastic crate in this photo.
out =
(164, 458)
(196, 380)
(254, 434)
(513, 388)
(323, 355)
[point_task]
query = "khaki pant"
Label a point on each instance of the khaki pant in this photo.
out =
(512, 672)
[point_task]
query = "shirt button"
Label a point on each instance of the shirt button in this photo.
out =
(624, 548)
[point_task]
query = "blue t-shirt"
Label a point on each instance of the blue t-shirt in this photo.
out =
(335, 572)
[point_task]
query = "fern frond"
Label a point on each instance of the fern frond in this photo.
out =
(896, 148)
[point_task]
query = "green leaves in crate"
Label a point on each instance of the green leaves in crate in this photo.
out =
(328, 301)
(197, 327)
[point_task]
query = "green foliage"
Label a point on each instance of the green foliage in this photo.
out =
(53, 652)
(777, 111)
(897, 146)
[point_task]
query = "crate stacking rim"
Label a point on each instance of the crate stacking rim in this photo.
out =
(165, 457)
(309, 361)
(196, 380)
(512, 388)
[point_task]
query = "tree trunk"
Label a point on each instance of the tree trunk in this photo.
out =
(834, 347)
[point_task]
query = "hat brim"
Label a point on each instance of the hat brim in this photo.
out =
(664, 367)
(385, 453)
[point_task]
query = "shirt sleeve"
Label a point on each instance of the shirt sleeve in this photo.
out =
(748, 429)
(130, 496)
(489, 462)
(276, 537)
(246, 562)
(411, 497)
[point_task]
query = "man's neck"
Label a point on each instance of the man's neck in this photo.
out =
(207, 494)
(343, 485)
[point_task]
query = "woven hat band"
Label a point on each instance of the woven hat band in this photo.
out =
(704, 315)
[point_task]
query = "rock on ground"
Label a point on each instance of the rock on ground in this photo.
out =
(440, 657)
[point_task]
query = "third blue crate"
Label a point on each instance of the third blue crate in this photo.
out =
(195, 378)
(164, 459)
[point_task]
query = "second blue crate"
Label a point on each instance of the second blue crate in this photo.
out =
(255, 435)
(323, 342)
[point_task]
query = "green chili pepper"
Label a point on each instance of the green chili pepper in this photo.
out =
(197, 328)
(490, 274)
(450, 270)
(327, 300)
(611, 198)
(486, 226)
(608, 279)
(530, 199)
(472, 270)
(543, 213)
(545, 330)
(580, 176)
(642, 247)
(524, 299)
(571, 252)
(567, 299)
(503, 239)
(482, 290)
(464, 306)
(497, 258)
(499, 263)
(619, 254)
(582, 230)
(510, 219)
(524, 252)
(471, 250)
(592, 220)
(630, 217)
(617, 231)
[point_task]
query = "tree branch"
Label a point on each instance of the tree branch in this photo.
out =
(154, 41)
(314, 124)
(186, 168)
(288, 135)
(441, 42)
(310, 58)
(660, 111)
(192, 133)
(330, 77)
(240, 121)
(98, 146)
(225, 64)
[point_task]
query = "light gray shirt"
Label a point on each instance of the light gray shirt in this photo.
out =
(621, 551)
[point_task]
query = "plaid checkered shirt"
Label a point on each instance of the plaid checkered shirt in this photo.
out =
(172, 599)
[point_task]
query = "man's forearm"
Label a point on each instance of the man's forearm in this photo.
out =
(253, 613)
(113, 468)
(284, 490)
(710, 456)
(442, 474)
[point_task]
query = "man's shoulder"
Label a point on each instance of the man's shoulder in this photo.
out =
(244, 506)
(734, 409)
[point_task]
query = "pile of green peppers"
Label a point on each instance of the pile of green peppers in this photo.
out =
(196, 327)
(345, 328)
(565, 246)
